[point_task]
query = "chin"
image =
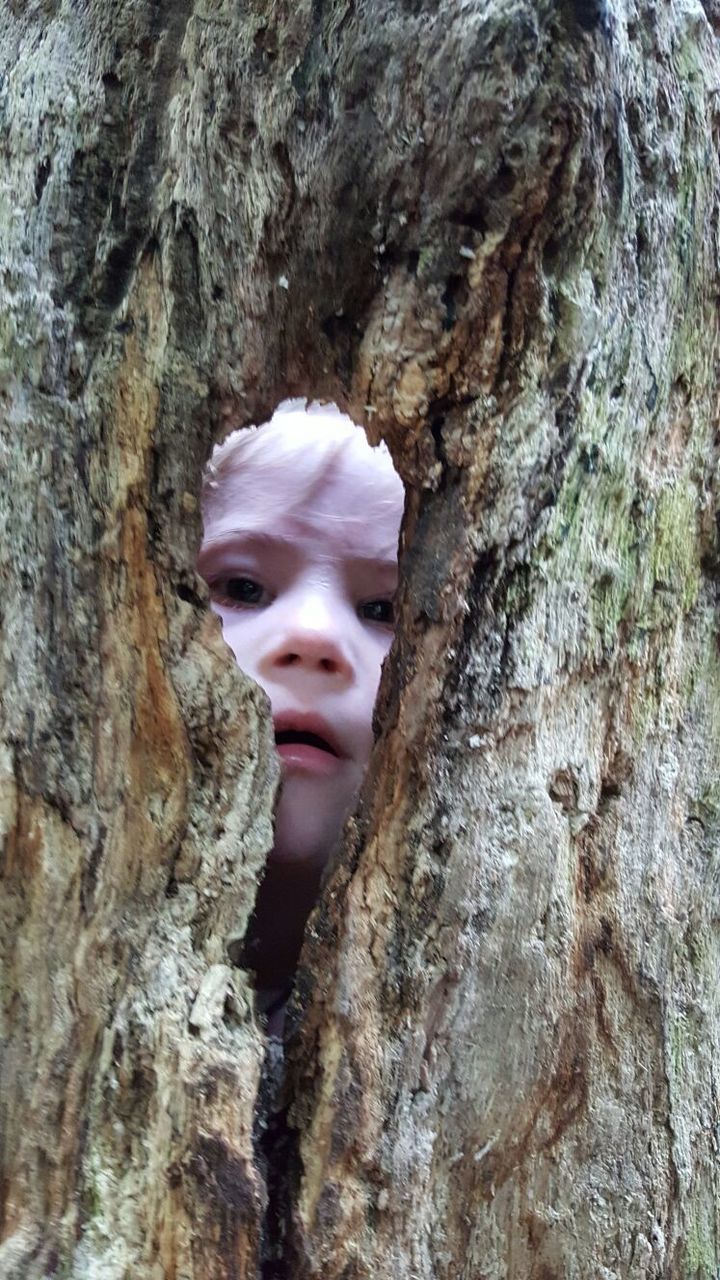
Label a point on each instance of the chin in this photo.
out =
(309, 820)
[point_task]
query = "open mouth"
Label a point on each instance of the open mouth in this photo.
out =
(297, 737)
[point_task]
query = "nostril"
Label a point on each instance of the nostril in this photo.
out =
(313, 656)
(320, 663)
(289, 659)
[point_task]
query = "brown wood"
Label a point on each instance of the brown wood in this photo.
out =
(489, 230)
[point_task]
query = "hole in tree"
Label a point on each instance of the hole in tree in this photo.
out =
(42, 173)
(301, 520)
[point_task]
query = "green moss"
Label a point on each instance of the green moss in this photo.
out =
(701, 1255)
(600, 541)
(637, 555)
(93, 1200)
(675, 554)
(425, 258)
(518, 594)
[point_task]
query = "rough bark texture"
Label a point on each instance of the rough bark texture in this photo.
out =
(490, 229)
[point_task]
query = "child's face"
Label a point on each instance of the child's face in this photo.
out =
(301, 560)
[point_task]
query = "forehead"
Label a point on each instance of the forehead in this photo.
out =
(308, 474)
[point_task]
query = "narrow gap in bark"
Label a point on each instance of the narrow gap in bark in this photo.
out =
(301, 522)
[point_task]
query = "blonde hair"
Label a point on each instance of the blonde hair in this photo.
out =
(306, 437)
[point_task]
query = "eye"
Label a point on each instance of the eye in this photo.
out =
(378, 611)
(232, 592)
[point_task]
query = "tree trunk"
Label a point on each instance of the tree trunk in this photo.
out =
(489, 229)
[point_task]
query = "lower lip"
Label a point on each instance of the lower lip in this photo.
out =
(301, 757)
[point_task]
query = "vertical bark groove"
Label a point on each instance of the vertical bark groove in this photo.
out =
(489, 231)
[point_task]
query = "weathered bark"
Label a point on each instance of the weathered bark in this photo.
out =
(490, 229)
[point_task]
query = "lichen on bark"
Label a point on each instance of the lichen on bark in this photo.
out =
(489, 231)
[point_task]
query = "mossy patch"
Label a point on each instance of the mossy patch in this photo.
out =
(636, 553)
(701, 1255)
(675, 552)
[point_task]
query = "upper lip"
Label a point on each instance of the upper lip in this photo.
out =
(302, 722)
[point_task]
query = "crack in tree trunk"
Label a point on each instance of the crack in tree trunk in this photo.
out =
(488, 230)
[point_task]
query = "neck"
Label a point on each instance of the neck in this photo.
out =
(287, 895)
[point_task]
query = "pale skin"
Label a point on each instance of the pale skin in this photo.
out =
(300, 554)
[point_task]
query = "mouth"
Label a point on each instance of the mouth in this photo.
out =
(296, 737)
(306, 744)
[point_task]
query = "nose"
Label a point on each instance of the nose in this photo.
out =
(310, 642)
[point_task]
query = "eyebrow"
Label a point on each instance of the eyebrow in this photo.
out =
(273, 541)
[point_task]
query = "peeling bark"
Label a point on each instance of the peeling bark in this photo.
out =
(490, 231)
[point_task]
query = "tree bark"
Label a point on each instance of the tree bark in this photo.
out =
(489, 230)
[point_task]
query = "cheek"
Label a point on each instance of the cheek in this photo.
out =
(240, 635)
(370, 679)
